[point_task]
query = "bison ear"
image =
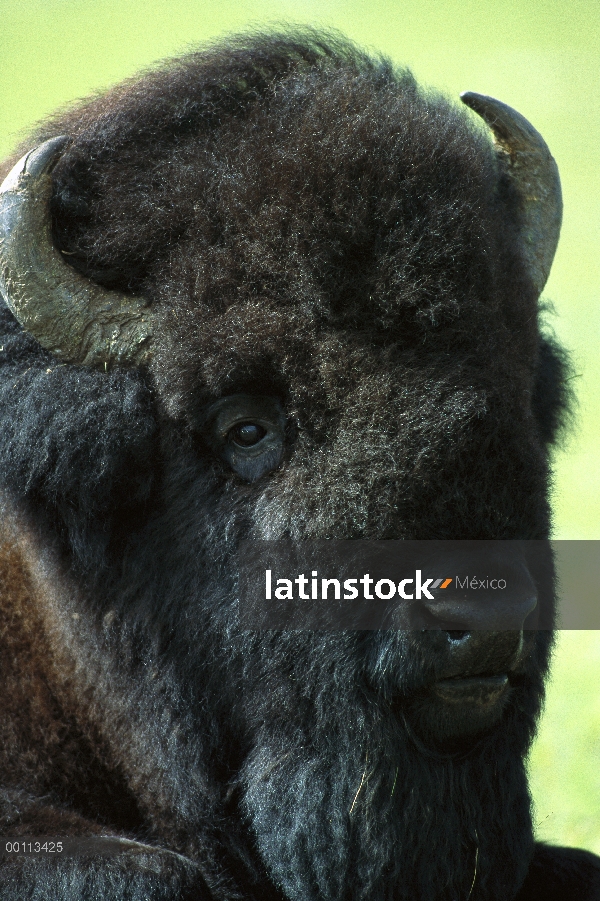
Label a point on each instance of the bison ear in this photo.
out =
(534, 174)
(69, 315)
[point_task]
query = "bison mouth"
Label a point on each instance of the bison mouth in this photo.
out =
(454, 712)
(468, 695)
(483, 690)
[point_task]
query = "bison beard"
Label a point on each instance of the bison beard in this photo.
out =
(316, 242)
(335, 816)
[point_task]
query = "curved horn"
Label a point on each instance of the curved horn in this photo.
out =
(535, 174)
(69, 315)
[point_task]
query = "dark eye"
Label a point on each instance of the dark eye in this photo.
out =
(247, 431)
(246, 434)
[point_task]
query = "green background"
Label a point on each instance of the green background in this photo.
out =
(541, 57)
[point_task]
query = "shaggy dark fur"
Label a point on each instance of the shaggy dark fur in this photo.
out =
(308, 225)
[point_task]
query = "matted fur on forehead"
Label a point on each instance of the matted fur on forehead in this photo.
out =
(289, 168)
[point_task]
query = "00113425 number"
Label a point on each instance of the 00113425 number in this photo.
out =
(33, 847)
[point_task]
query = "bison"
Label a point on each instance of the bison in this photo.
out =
(271, 289)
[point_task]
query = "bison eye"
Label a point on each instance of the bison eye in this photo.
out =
(247, 432)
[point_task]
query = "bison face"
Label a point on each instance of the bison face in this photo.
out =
(328, 304)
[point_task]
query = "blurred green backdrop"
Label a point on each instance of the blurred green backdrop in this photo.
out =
(541, 57)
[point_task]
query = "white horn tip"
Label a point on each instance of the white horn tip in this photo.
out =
(34, 163)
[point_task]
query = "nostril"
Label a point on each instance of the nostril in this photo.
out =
(456, 635)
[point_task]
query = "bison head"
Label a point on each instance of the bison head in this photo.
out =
(276, 291)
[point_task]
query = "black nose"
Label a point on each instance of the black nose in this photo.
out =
(479, 604)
